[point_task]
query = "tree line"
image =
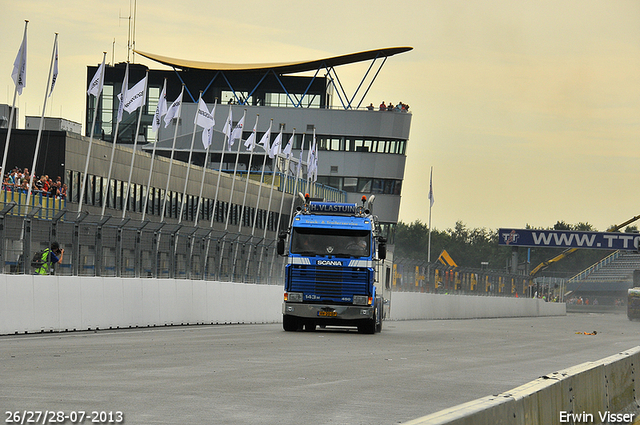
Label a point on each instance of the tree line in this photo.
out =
(472, 247)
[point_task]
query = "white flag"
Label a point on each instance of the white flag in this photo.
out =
(287, 149)
(430, 197)
(54, 77)
(299, 166)
(136, 96)
(95, 87)
(123, 94)
(265, 140)
(250, 143)
(161, 109)
(315, 167)
(311, 159)
(204, 118)
(277, 146)
(236, 134)
(207, 133)
(228, 127)
(172, 111)
(19, 73)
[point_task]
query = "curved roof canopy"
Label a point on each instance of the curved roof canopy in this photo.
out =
(278, 67)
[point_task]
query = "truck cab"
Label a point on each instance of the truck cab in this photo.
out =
(331, 273)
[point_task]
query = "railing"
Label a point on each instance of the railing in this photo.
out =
(605, 261)
(49, 205)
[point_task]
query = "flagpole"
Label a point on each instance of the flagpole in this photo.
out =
(215, 199)
(93, 123)
(235, 171)
(273, 182)
(430, 206)
(153, 152)
(266, 148)
(13, 105)
(264, 164)
(298, 169)
(135, 144)
(204, 167)
(173, 149)
(246, 186)
(44, 106)
(284, 186)
(123, 93)
(186, 179)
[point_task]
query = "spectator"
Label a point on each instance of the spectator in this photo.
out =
(370, 107)
(63, 192)
(383, 107)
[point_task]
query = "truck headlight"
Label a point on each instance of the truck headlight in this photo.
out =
(361, 300)
(294, 297)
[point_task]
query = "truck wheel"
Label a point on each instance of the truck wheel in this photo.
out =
(289, 323)
(367, 327)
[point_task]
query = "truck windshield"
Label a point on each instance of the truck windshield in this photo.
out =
(334, 242)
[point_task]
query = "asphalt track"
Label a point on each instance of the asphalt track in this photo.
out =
(259, 374)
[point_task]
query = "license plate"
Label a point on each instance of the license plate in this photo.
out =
(327, 313)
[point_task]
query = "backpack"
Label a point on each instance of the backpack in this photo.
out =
(36, 260)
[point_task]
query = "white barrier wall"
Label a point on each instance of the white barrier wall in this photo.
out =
(58, 303)
(52, 303)
(411, 305)
(605, 391)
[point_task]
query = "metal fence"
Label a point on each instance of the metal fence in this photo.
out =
(420, 276)
(124, 248)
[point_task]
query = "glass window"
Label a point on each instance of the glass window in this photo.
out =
(335, 182)
(335, 144)
(377, 186)
(119, 195)
(107, 109)
(350, 184)
(364, 185)
(388, 186)
(98, 191)
(397, 188)
(337, 242)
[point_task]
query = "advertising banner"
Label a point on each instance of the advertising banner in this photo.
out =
(568, 239)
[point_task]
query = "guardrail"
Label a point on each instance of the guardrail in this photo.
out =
(604, 391)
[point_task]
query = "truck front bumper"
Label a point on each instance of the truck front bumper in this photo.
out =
(327, 312)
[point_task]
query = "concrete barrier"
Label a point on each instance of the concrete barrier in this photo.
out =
(605, 391)
(411, 305)
(52, 303)
(59, 303)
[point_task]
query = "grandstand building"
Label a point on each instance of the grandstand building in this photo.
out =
(360, 151)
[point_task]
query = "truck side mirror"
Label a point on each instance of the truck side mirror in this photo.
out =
(382, 248)
(280, 245)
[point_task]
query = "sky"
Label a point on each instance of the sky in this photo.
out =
(528, 112)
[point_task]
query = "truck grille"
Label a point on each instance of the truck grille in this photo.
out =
(329, 282)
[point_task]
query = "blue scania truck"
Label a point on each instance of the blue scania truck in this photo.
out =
(334, 253)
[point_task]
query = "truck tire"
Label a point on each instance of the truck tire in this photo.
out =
(289, 323)
(368, 326)
(377, 315)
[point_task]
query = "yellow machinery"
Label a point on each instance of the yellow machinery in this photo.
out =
(570, 251)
